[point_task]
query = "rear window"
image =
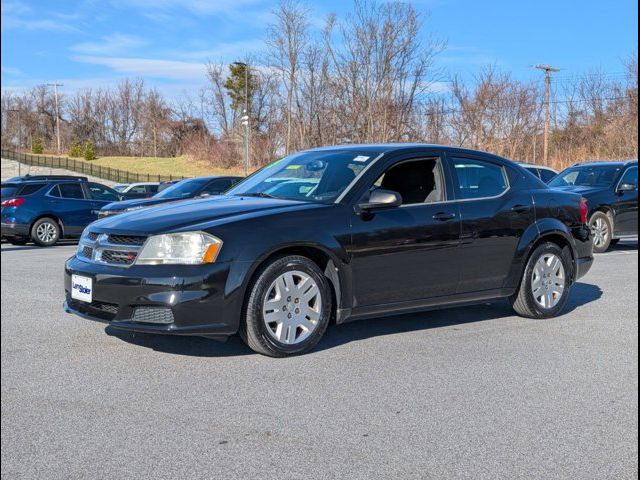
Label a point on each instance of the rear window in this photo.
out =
(31, 188)
(9, 190)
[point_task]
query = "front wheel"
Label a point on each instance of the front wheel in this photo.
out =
(602, 230)
(545, 285)
(45, 232)
(288, 308)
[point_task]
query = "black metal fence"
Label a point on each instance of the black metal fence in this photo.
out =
(86, 168)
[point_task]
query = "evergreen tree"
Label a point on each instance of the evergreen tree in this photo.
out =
(89, 153)
(37, 146)
(76, 149)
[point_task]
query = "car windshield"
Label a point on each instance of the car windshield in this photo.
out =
(317, 176)
(587, 176)
(183, 189)
(120, 188)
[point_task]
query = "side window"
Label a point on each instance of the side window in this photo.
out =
(31, 188)
(630, 176)
(99, 192)
(546, 175)
(417, 181)
(479, 179)
(138, 189)
(153, 189)
(71, 190)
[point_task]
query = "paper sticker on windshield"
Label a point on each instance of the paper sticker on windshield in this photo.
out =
(361, 158)
(293, 167)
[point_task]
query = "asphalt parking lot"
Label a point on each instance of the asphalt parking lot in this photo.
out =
(462, 393)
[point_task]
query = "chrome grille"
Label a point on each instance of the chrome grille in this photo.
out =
(116, 257)
(110, 249)
(126, 239)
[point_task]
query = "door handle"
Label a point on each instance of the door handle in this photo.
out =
(444, 216)
(521, 208)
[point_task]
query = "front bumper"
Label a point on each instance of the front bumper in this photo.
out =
(184, 299)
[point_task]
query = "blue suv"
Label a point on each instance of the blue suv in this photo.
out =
(46, 208)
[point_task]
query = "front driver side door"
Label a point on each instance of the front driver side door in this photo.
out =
(406, 254)
(627, 205)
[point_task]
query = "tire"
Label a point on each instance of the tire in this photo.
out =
(601, 227)
(279, 292)
(45, 232)
(17, 240)
(528, 304)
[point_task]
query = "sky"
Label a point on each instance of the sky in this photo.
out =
(93, 43)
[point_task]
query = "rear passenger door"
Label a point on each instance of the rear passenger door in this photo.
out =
(494, 215)
(71, 206)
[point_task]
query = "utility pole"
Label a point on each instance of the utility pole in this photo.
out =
(548, 70)
(55, 94)
(245, 118)
(17, 110)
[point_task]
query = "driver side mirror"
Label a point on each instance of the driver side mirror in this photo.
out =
(627, 187)
(380, 198)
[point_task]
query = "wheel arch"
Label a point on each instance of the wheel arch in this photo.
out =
(51, 216)
(325, 258)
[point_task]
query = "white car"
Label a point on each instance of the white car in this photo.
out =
(137, 190)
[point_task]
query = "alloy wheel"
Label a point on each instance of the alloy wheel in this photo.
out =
(292, 307)
(600, 231)
(46, 232)
(548, 280)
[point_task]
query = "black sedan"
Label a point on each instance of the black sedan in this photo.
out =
(612, 191)
(378, 230)
(182, 190)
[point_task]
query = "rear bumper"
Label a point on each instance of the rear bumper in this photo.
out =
(172, 299)
(14, 230)
(583, 265)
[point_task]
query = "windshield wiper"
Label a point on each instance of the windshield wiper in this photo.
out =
(257, 194)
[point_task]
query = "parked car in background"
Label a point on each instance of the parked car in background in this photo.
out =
(182, 190)
(611, 189)
(543, 173)
(378, 230)
(137, 190)
(45, 209)
(167, 183)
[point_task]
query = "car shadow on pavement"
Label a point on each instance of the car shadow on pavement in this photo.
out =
(581, 294)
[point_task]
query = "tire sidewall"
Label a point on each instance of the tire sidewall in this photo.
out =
(565, 258)
(34, 232)
(255, 325)
(609, 223)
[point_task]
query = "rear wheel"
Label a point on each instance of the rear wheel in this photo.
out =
(45, 232)
(288, 308)
(545, 285)
(602, 231)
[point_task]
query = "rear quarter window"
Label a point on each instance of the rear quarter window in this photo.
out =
(31, 188)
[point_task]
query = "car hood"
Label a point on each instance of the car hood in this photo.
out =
(582, 190)
(195, 214)
(138, 203)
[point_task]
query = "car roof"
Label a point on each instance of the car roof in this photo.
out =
(533, 165)
(377, 148)
(601, 163)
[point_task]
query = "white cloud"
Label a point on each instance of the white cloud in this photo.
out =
(147, 67)
(110, 45)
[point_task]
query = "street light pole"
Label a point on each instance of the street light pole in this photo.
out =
(548, 70)
(55, 94)
(17, 110)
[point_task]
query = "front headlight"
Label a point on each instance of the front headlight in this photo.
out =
(189, 248)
